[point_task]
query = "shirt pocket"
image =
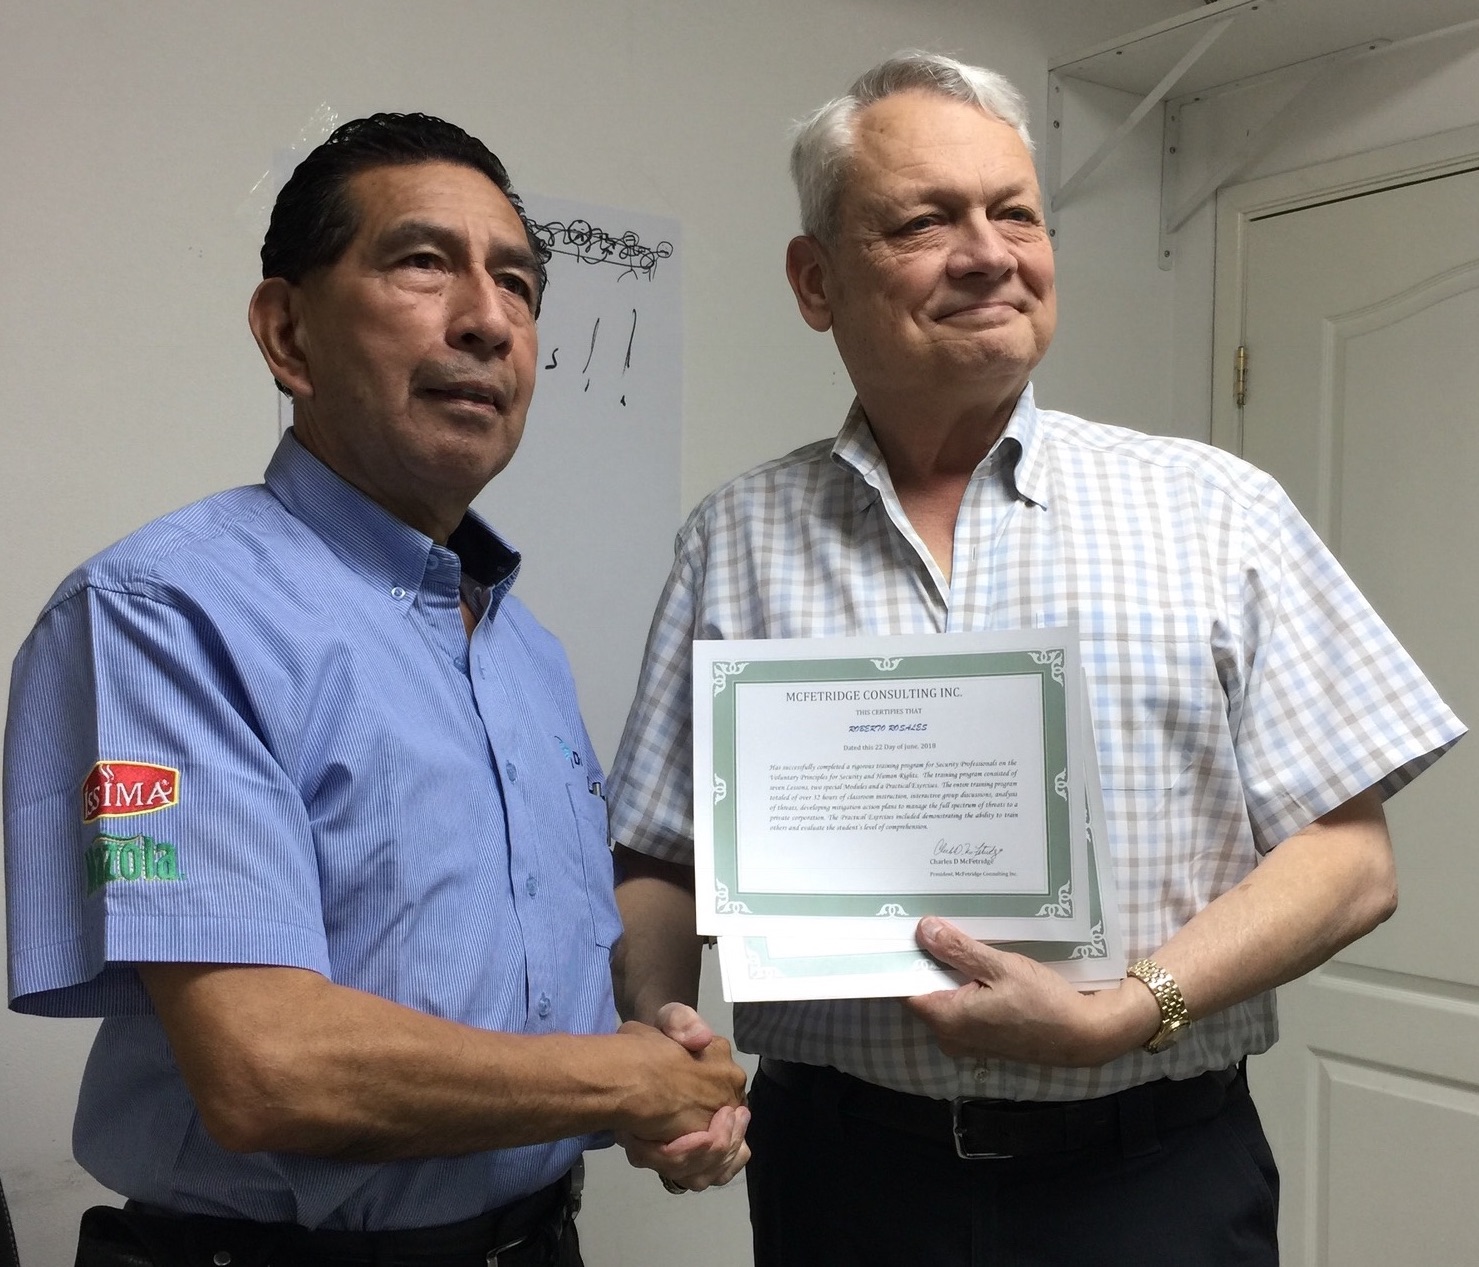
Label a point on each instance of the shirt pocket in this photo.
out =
(1159, 710)
(592, 832)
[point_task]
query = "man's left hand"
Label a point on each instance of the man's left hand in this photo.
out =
(700, 1159)
(1013, 1008)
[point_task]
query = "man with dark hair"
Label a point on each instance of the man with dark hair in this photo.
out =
(299, 800)
(314, 219)
(1251, 714)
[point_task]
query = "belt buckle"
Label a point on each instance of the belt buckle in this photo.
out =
(958, 1131)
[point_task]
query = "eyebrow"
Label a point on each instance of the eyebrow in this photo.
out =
(410, 232)
(1021, 189)
(937, 191)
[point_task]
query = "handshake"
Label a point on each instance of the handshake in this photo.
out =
(687, 1115)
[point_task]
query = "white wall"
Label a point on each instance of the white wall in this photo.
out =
(134, 134)
(1108, 361)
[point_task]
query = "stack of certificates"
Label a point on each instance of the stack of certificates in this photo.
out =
(845, 787)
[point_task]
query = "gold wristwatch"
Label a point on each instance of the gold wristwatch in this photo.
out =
(1175, 1020)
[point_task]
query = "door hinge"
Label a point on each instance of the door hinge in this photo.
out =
(1240, 375)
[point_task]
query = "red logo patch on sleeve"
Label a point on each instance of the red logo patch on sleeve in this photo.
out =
(119, 789)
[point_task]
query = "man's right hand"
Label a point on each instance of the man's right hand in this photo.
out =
(707, 1157)
(656, 961)
(678, 1090)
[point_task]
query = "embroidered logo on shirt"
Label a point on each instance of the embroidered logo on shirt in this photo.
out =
(117, 789)
(111, 858)
(571, 755)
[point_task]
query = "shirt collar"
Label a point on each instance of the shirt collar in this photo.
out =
(1017, 449)
(387, 551)
(1027, 466)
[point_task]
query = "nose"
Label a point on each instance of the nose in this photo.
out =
(480, 321)
(980, 247)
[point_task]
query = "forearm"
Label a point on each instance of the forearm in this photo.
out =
(281, 1059)
(1313, 895)
(658, 958)
(1309, 898)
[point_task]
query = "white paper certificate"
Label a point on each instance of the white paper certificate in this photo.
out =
(847, 786)
(756, 968)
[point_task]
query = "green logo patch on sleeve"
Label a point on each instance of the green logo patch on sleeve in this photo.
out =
(129, 858)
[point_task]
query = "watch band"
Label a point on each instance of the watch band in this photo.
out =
(1175, 1019)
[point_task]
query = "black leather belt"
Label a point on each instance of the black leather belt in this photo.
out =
(979, 1128)
(525, 1233)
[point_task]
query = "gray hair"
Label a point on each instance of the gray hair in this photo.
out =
(821, 152)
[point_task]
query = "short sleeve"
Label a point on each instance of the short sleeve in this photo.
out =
(145, 819)
(1333, 704)
(651, 787)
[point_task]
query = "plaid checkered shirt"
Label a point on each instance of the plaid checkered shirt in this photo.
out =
(1240, 685)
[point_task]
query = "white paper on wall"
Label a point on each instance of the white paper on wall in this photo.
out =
(591, 499)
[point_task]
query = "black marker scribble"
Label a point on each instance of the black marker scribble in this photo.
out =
(627, 364)
(592, 352)
(583, 241)
(554, 359)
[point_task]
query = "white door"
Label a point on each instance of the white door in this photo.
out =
(1361, 322)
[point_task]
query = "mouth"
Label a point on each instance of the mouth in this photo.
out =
(486, 397)
(980, 308)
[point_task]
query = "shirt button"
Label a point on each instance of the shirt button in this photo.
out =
(432, 563)
(397, 592)
(461, 663)
(544, 1005)
(531, 886)
(510, 769)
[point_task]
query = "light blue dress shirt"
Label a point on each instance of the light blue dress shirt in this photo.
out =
(255, 731)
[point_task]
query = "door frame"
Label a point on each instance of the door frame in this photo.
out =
(1238, 206)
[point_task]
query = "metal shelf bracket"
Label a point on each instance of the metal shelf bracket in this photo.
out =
(1131, 62)
(1216, 19)
(1060, 196)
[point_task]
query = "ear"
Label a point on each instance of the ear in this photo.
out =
(273, 315)
(806, 270)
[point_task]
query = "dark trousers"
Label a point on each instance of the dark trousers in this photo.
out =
(829, 1188)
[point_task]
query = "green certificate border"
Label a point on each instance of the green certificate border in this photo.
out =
(1054, 900)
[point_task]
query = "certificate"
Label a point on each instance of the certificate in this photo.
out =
(757, 968)
(846, 786)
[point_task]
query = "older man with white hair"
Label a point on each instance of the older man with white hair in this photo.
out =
(1252, 713)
